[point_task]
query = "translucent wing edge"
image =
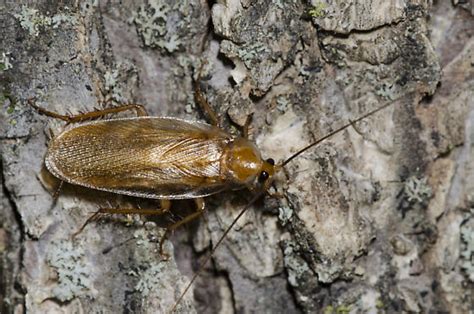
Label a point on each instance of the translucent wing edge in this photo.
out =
(198, 124)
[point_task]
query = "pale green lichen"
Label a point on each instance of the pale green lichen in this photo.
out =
(282, 104)
(112, 79)
(318, 10)
(8, 102)
(10, 109)
(368, 302)
(296, 267)
(379, 304)
(387, 91)
(159, 24)
(32, 20)
(59, 19)
(340, 309)
(328, 309)
(417, 190)
(172, 44)
(251, 52)
(279, 4)
(467, 249)
(150, 279)
(153, 273)
(150, 20)
(284, 214)
(5, 62)
(147, 245)
(72, 270)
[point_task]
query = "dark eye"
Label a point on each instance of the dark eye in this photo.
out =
(271, 161)
(263, 176)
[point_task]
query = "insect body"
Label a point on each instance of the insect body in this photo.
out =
(158, 158)
(155, 158)
(163, 158)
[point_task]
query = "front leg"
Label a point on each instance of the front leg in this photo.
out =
(202, 102)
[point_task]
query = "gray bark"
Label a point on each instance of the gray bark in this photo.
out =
(377, 218)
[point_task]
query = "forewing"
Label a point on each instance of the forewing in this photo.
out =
(146, 157)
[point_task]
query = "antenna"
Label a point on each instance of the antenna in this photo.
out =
(257, 196)
(345, 126)
(209, 256)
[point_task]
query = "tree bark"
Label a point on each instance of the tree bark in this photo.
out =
(378, 218)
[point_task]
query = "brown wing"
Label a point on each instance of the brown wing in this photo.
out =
(146, 157)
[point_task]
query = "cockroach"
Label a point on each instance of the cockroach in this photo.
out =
(163, 158)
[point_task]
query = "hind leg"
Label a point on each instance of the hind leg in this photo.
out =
(200, 207)
(165, 206)
(140, 110)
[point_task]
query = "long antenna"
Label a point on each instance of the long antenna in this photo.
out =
(242, 212)
(209, 256)
(345, 126)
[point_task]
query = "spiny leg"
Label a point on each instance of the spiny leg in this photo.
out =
(57, 191)
(246, 127)
(141, 111)
(202, 102)
(165, 206)
(200, 205)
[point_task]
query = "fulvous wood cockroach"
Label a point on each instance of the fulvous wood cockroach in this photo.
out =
(162, 158)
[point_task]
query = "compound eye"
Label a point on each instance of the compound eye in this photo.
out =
(263, 176)
(271, 161)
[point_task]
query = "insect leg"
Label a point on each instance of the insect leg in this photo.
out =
(91, 218)
(200, 205)
(58, 190)
(88, 115)
(202, 102)
(165, 206)
(204, 105)
(246, 127)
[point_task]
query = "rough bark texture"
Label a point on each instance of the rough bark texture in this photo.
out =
(377, 218)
